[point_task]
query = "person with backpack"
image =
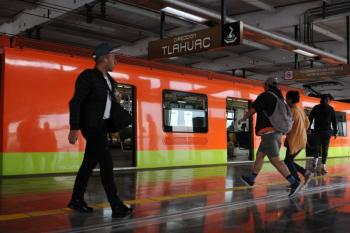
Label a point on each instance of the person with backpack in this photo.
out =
(324, 115)
(297, 137)
(273, 119)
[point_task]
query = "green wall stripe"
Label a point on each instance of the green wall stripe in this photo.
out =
(170, 158)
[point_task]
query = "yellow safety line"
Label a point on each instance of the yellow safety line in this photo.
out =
(7, 217)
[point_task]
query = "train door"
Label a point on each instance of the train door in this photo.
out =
(239, 136)
(123, 143)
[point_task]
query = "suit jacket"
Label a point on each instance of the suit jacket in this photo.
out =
(88, 103)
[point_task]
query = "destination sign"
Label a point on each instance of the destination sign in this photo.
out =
(194, 42)
(318, 73)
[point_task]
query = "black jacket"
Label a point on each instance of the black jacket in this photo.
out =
(324, 115)
(89, 101)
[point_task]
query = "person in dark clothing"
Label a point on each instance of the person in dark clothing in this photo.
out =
(324, 115)
(270, 138)
(90, 109)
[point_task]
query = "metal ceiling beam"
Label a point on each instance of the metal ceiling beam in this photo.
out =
(40, 14)
(283, 17)
(108, 22)
(260, 4)
(256, 45)
(247, 60)
(83, 32)
(233, 61)
(147, 13)
(328, 33)
(333, 47)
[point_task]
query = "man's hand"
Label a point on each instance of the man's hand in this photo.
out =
(73, 136)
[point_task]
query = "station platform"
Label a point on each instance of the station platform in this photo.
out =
(201, 199)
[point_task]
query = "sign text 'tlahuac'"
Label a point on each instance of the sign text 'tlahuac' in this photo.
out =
(194, 42)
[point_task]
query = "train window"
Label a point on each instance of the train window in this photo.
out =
(235, 110)
(341, 122)
(185, 112)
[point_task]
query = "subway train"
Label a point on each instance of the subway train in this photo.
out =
(182, 116)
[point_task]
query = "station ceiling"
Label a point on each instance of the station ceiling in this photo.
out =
(131, 24)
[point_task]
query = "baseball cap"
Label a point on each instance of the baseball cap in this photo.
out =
(103, 49)
(271, 81)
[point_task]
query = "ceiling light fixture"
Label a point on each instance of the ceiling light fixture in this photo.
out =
(183, 14)
(302, 52)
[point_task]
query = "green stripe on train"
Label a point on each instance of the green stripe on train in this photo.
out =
(61, 162)
(12, 163)
(18, 163)
(332, 152)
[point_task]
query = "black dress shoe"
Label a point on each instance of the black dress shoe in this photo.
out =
(80, 205)
(121, 211)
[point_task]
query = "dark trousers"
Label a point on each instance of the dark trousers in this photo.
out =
(96, 151)
(321, 139)
(293, 167)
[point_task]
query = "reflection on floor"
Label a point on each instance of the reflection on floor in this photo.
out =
(206, 199)
(121, 158)
(239, 154)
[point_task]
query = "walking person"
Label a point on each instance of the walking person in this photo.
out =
(270, 143)
(323, 116)
(296, 138)
(90, 109)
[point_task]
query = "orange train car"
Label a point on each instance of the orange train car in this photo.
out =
(182, 117)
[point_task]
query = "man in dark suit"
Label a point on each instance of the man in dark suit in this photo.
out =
(90, 109)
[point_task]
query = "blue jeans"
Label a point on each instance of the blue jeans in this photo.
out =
(293, 167)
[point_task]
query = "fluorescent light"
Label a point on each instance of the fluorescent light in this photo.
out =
(183, 14)
(302, 52)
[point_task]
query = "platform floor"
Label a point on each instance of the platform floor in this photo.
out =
(205, 199)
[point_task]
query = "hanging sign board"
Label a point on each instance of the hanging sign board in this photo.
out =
(231, 34)
(194, 42)
(318, 73)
